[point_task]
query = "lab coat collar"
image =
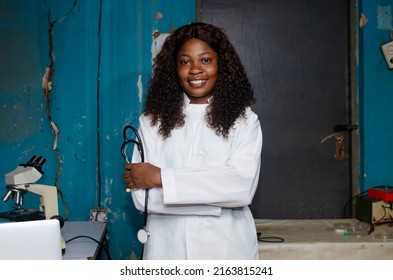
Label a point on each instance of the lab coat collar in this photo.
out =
(187, 100)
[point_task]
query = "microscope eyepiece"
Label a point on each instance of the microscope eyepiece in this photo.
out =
(36, 162)
(31, 161)
(40, 161)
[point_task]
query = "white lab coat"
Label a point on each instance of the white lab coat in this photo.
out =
(201, 212)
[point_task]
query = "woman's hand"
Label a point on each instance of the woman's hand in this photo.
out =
(142, 175)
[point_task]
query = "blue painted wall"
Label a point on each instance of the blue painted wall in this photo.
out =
(375, 86)
(101, 53)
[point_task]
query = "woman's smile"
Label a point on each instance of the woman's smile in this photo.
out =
(197, 83)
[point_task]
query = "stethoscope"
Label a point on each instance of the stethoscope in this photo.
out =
(143, 234)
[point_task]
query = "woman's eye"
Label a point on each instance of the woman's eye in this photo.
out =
(206, 60)
(184, 61)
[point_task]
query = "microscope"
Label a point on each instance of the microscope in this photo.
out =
(22, 180)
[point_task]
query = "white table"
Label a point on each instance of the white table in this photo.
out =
(83, 248)
(324, 240)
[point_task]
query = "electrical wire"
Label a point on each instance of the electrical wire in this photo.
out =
(103, 245)
(350, 200)
(269, 239)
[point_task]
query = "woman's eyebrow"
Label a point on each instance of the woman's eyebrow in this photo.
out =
(201, 54)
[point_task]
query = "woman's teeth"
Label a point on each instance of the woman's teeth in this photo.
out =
(197, 82)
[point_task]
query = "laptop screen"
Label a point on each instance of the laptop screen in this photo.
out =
(30, 240)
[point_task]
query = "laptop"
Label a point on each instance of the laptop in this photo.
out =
(30, 240)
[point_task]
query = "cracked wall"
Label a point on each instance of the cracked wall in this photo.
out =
(75, 72)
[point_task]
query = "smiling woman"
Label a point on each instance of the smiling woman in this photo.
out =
(197, 70)
(202, 151)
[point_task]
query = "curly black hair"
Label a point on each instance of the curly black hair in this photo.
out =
(232, 94)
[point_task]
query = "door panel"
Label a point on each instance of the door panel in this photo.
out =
(296, 56)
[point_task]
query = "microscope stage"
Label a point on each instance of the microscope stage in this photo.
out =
(21, 214)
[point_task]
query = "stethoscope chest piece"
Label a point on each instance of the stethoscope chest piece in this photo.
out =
(143, 235)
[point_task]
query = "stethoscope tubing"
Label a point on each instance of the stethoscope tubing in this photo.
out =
(143, 234)
(127, 141)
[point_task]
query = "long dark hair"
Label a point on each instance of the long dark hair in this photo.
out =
(232, 94)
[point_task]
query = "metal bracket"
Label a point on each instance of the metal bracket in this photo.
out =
(99, 215)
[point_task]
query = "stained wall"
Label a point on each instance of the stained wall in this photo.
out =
(74, 73)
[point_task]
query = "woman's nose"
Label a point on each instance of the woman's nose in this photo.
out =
(196, 68)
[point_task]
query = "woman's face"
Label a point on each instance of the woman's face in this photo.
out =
(197, 70)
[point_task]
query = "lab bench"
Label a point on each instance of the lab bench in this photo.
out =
(335, 239)
(84, 240)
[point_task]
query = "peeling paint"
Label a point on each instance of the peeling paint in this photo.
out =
(133, 256)
(115, 216)
(130, 119)
(159, 15)
(158, 41)
(140, 88)
(26, 152)
(56, 134)
(46, 80)
(108, 184)
(156, 34)
(363, 20)
(79, 126)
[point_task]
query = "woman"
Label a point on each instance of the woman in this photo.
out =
(202, 147)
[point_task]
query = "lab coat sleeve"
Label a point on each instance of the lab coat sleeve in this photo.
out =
(156, 206)
(229, 186)
(155, 195)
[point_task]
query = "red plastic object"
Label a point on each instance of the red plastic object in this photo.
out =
(381, 193)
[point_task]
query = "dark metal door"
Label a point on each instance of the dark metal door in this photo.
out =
(296, 54)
